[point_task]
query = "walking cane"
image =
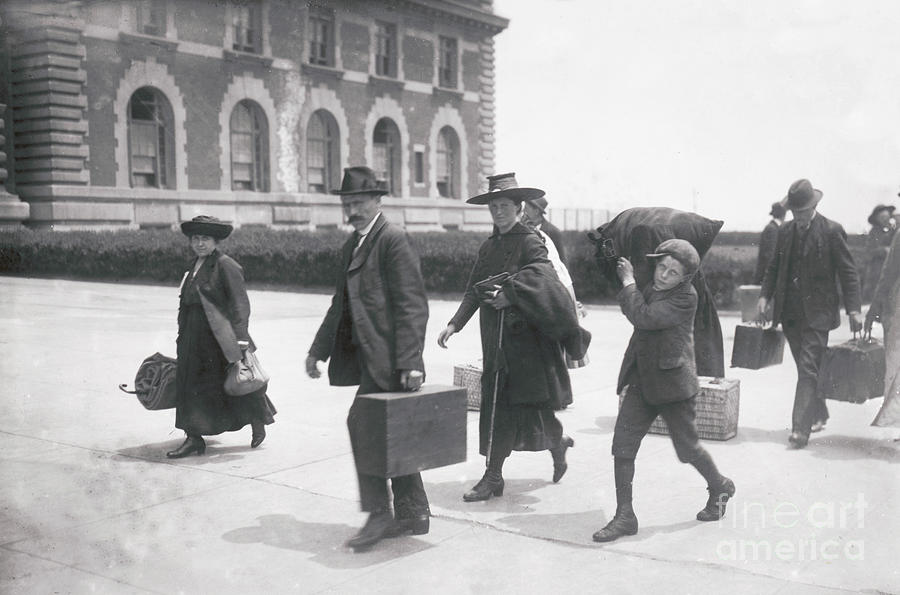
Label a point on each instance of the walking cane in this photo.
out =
(490, 448)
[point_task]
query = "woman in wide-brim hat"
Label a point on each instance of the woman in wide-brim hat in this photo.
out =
(878, 244)
(526, 354)
(214, 283)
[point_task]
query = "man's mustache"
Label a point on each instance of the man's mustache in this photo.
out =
(353, 218)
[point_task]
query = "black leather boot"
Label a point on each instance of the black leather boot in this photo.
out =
(259, 433)
(191, 445)
(413, 525)
(375, 529)
(491, 484)
(715, 504)
(559, 457)
(624, 523)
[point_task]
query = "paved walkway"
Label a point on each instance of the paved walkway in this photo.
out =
(90, 504)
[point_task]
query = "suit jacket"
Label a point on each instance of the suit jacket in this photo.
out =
(823, 261)
(221, 281)
(661, 349)
(767, 242)
(555, 236)
(384, 326)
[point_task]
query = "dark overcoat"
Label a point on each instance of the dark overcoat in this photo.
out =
(767, 241)
(383, 325)
(532, 365)
(823, 262)
(661, 349)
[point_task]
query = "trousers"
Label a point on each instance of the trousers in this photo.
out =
(807, 347)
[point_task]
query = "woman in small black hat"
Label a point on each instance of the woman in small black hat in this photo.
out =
(214, 282)
(878, 244)
(526, 321)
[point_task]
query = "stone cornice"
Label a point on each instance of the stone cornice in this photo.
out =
(488, 20)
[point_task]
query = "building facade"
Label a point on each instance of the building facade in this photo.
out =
(145, 113)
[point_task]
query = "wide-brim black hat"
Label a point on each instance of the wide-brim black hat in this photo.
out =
(801, 196)
(505, 186)
(361, 180)
(778, 211)
(878, 209)
(204, 225)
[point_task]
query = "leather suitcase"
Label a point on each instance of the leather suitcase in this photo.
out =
(852, 371)
(756, 347)
(408, 432)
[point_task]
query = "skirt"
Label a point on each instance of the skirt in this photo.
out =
(202, 407)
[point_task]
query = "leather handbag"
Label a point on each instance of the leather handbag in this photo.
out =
(245, 376)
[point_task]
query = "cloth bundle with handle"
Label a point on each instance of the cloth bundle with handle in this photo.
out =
(154, 383)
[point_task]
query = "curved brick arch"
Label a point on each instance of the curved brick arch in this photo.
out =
(244, 87)
(448, 116)
(321, 98)
(149, 73)
(386, 107)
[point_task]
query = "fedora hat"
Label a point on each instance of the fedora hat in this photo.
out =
(539, 203)
(801, 195)
(878, 209)
(360, 180)
(204, 225)
(505, 186)
(778, 210)
(682, 251)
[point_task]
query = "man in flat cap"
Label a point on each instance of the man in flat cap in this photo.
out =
(811, 258)
(374, 334)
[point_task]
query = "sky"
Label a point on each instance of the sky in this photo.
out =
(714, 106)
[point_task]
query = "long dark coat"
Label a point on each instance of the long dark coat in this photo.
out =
(767, 241)
(661, 349)
(532, 366)
(824, 261)
(387, 310)
(878, 244)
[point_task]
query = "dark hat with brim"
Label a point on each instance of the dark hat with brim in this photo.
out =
(878, 209)
(539, 203)
(204, 225)
(682, 251)
(801, 196)
(505, 186)
(361, 180)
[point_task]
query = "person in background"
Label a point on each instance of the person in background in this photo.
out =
(525, 379)
(204, 354)
(659, 377)
(535, 211)
(811, 259)
(885, 309)
(767, 241)
(374, 335)
(878, 244)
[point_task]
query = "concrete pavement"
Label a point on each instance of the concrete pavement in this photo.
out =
(90, 504)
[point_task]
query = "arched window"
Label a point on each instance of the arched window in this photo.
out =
(447, 174)
(386, 154)
(249, 148)
(322, 152)
(151, 139)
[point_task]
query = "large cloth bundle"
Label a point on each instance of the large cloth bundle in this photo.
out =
(636, 232)
(154, 383)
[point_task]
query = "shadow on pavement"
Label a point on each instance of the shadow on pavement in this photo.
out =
(156, 451)
(515, 496)
(324, 540)
(841, 447)
(575, 528)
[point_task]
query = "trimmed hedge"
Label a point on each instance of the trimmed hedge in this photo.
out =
(310, 260)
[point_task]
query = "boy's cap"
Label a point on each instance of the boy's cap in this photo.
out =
(680, 250)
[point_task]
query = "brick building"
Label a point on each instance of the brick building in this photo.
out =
(144, 113)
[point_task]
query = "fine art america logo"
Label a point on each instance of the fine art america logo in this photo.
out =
(824, 531)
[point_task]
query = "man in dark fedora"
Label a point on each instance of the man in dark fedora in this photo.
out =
(811, 257)
(878, 244)
(374, 334)
(767, 241)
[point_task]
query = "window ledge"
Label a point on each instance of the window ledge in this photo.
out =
(322, 71)
(163, 42)
(387, 81)
(447, 92)
(248, 58)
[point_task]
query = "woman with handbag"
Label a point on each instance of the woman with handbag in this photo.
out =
(527, 319)
(213, 343)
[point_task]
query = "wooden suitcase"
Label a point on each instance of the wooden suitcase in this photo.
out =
(717, 408)
(756, 347)
(408, 432)
(852, 371)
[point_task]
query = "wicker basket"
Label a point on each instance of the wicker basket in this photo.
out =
(717, 408)
(468, 376)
